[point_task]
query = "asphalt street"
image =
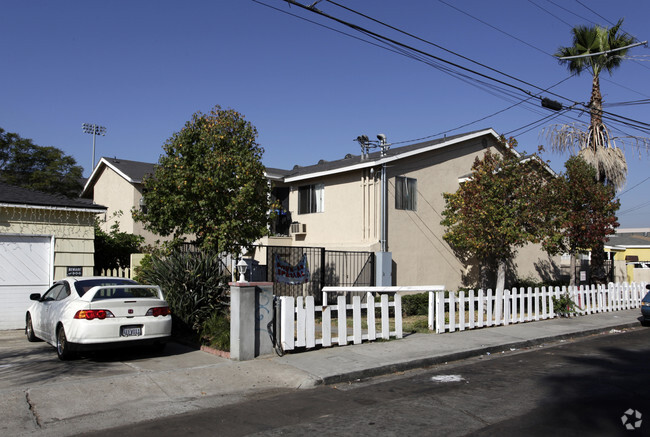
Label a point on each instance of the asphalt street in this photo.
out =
(569, 387)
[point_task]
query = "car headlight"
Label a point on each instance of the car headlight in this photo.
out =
(645, 304)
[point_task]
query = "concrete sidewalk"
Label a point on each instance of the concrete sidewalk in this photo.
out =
(98, 395)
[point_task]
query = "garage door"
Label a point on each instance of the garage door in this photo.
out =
(24, 268)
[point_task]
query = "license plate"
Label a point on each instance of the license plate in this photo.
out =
(130, 331)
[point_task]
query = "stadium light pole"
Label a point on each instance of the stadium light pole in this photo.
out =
(94, 129)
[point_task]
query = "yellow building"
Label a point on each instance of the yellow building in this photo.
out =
(631, 249)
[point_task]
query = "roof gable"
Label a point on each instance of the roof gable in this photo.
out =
(132, 171)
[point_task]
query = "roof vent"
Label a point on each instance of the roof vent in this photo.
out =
(348, 156)
(322, 161)
(296, 167)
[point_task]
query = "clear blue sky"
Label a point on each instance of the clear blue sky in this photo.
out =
(142, 68)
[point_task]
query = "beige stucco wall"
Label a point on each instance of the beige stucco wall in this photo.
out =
(350, 217)
(420, 256)
(73, 233)
(118, 194)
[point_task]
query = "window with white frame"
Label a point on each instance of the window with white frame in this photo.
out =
(311, 198)
(406, 193)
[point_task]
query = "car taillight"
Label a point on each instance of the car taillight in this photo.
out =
(93, 314)
(158, 311)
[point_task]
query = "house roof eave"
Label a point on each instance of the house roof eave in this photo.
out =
(391, 158)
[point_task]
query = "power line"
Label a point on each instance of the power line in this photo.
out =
(429, 59)
(571, 12)
(410, 48)
(431, 43)
(634, 208)
(550, 13)
(495, 28)
(631, 188)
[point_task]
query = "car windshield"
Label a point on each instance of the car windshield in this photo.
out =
(84, 285)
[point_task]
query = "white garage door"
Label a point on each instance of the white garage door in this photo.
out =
(24, 268)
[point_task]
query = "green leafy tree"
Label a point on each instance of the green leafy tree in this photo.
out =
(210, 183)
(605, 49)
(113, 249)
(47, 169)
(497, 210)
(585, 211)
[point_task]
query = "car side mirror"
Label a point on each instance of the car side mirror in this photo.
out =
(35, 296)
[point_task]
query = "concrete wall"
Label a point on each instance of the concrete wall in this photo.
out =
(73, 232)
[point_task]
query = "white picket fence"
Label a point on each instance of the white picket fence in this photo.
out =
(303, 324)
(119, 272)
(469, 310)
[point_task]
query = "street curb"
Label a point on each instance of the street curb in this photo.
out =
(457, 356)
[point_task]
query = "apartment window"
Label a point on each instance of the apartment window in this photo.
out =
(406, 193)
(311, 198)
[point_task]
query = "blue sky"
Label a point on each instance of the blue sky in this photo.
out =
(142, 68)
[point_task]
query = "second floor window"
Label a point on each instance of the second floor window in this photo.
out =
(311, 198)
(406, 193)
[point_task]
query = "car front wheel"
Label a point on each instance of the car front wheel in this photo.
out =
(29, 330)
(62, 345)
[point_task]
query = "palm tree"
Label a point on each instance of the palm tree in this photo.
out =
(605, 48)
(594, 143)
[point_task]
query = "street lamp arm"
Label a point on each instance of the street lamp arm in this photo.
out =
(643, 43)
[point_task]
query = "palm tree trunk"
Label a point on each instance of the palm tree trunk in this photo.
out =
(596, 111)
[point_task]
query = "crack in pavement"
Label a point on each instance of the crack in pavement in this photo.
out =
(32, 409)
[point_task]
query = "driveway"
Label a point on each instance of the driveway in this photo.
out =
(39, 393)
(24, 364)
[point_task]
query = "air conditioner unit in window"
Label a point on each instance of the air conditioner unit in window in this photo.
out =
(298, 228)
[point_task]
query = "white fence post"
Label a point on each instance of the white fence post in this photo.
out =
(342, 320)
(300, 322)
(326, 325)
(385, 327)
(481, 308)
(372, 328)
(432, 310)
(452, 311)
(471, 307)
(287, 312)
(440, 312)
(461, 311)
(490, 308)
(310, 322)
(356, 319)
(398, 315)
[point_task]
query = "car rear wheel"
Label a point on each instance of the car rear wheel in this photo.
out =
(29, 330)
(62, 345)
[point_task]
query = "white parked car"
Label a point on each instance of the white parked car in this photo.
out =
(88, 313)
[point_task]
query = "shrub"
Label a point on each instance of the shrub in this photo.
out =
(415, 304)
(191, 282)
(215, 331)
(564, 305)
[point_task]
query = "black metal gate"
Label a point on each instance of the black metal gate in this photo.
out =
(322, 267)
